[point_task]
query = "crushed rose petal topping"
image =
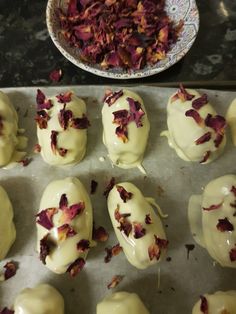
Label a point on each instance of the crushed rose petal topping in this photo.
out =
(93, 186)
(204, 138)
(65, 231)
(10, 269)
(54, 135)
(115, 281)
(204, 305)
(154, 250)
(80, 123)
(136, 111)
(64, 98)
(224, 225)
(42, 101)
(198, 103)
(25, 162)
(109, 187)
(122, 133)
(55, 75)
(110, 252)
(45, 247)
(124, 34)
(121, 117)
(37, 148)
(64, 117)
(100, 234)
(205, 157)
(139, 231)
(218, 124)
(124, 195)
(182, 94)
(212, 207)
(69, 212)
(195, 115)
(5, 310)
(76, 267)
(83, 245)
(45, 217)
(111, 97)
(148, 219)
(42, 118)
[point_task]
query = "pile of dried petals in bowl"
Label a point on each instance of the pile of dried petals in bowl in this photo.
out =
(127, 34)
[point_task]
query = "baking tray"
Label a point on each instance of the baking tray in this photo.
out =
(169, 287)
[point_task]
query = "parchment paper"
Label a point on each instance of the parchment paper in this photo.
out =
(182, 280)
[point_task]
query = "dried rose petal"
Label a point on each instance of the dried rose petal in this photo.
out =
(76, 267)
(125, 226)
(100, 234)
(62, 152)
(195, 115)
(224, 225)
(118, 216)
(45, 247)
(110, 252)
(25, 162)
(136, 112)
(65, 231)
(109, 187)
(93, 186)
(218, 140)
(212, 207)
(139, 231)
(80, 123)
(55, 75)
(232, 255)
(42, 118)
(154, 250)
(148, 219)
(182, 94)
(83, 245)
(37, 148)
(54, 135)
(115, 281)
(10, 269)
(122, 133)
(124, 195)
(233, 190)
(217, 123)
(69, 213)
(64, 117)
(204, 305)
(64, 98)
(42, 102)
(198, 103)
(63, 203)
(204, 138)
(45, 217)
(205, 157)
(121, 117)
(5, 310)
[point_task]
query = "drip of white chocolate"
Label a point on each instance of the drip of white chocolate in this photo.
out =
(43, 299)
(65, 251)
(7, 227)
(129, 154)
(11, 142)
(231, 120)
(122, 303)
(73, 140)
(219, 302)
(183, 131)
(203, 223)
(136, 250)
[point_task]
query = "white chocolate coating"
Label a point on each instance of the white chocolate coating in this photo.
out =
(129, 154)
(74, 140)
(122, 303)
(43, 299)
(136, 250)
(184, 131)
(231, 120)
(218, 303)
(10, 140)
(66, 251)
(7, 227)
(203, 223)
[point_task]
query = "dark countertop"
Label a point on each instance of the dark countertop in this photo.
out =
(27, 54)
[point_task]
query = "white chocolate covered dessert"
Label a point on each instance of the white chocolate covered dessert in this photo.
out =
(212, 218)
(125, 128)
(11, 142)
(64, 226)
(122, 303)
(7, 227)
(217, 303)
(43, 299)
(195, 131)
(231, 120)
(61, 128)
(138, 228)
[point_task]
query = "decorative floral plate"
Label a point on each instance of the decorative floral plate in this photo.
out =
(177, 10)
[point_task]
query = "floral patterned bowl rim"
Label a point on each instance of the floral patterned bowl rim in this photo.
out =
(177, 9)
